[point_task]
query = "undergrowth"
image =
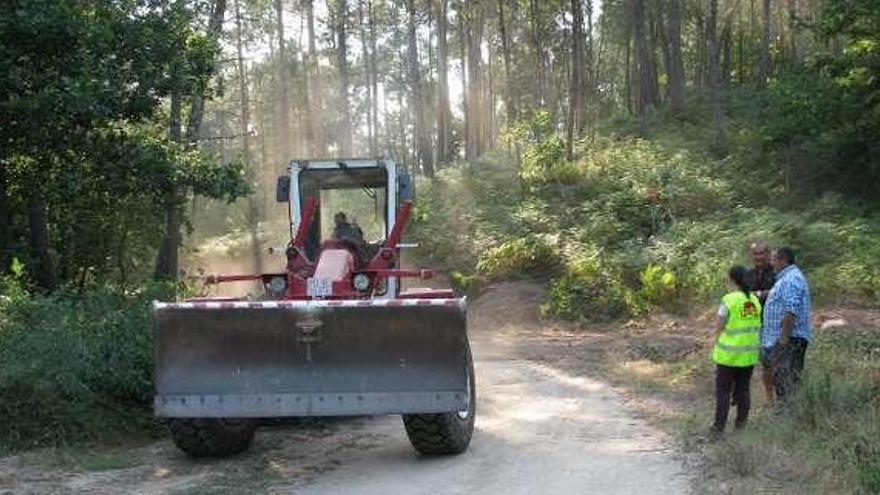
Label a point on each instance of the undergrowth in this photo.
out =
(829, 438)
(74, 366)
(637, 224)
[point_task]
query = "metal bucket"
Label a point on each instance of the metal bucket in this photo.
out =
(310, 358)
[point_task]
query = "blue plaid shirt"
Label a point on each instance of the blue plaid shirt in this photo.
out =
(790, 294)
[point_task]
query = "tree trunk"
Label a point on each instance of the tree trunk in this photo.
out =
(167, 260)
(764, 64)
(253, 173)
(726, 56)
(464, 80)
(536, 35)
(43, 269)
(794, 37)
(648, 88)
(443, 111)
(424, 157)
(662, 34)
(592, 75)
(5, 220)
(343, 137)
(576, 109)
(283, 143)
(368, 77)
(714, 76)
(374, 81)
(509, 100)
(474, 34)
(628, 72)
(316, 109)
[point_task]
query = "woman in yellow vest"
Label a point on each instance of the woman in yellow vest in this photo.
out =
(736, 346)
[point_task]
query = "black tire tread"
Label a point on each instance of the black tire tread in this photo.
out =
(443, 433)
(212, 437)
(436, 434)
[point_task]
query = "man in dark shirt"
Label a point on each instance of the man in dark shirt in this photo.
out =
(760, 280)
(350, 235)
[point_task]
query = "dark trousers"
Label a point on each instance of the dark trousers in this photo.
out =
(738, 380)
(788, 364)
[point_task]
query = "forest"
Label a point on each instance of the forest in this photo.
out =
(622, 152)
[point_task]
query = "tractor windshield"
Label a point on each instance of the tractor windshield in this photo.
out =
(359, 193)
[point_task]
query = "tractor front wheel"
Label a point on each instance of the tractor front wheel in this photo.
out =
(212, 437)
(445, 433)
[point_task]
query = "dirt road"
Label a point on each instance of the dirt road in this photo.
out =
(539, 430)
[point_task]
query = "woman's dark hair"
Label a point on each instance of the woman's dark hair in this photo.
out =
(786, 253)
(738, 274)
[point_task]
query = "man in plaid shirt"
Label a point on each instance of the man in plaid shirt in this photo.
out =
(786, 329)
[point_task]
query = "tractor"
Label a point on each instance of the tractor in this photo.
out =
(332, 334)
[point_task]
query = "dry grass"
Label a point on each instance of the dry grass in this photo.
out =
(828, 441)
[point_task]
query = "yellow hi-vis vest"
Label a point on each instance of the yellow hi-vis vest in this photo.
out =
(739, 343)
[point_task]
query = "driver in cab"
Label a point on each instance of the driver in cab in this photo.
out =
(350, 235)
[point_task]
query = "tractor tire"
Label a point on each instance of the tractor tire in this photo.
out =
(212, 437)
(444, 433)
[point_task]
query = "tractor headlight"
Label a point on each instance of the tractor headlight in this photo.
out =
(277, 285)
(361, 282)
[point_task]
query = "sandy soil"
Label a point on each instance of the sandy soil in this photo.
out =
(543, 426)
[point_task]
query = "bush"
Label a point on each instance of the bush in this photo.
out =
(659, 286)
(588, 290)
(662, 217)
(75, 367)
(518, 256)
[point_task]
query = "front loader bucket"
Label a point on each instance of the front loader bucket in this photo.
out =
(311, 358)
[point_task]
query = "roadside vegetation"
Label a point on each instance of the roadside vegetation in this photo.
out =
(645, 224)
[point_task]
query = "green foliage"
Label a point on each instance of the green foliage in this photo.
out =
(589, 289)
(659, 286)
(84, 131)
(75, 367)
(837, 404)
(545, 162)
(640, 225)
(524, 255)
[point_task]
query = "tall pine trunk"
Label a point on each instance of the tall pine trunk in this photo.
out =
(283, 142)
(536, 34)
(374, 81)
(5, 221)
(343, 135)
(510, 105)
(44, 270)
(576, 108)
(714, 73)
(462, 43)
(648, 87)
(443, 111)
(316, 89)
(363, 31)
(245, 122)
(476, 107)
(764, 64)
(424, 155)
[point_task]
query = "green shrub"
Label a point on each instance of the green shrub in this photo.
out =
(588, 290)
(525, 255)
(75, 367)
(659, 286)
(545, 162)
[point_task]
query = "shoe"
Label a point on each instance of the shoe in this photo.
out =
(714, 435)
